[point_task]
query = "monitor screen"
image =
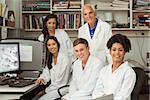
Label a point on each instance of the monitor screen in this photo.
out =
(9, 57)
(31, 53)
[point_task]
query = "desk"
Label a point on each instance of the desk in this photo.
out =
(7, 92)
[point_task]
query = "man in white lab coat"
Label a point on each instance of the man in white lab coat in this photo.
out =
(96, 32)
(85, 72)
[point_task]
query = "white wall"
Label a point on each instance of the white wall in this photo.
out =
(139, 47)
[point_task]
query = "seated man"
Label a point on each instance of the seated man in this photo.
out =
(85, 72)
(117, 78)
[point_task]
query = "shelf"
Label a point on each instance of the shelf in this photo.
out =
(139, 11)
(131, 29)
(32, 18)
(113, 8)
(33, 30)
(39, 30)
(66, 10)
(38, 12)
(8, 27)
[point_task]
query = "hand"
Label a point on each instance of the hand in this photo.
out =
(40, 81)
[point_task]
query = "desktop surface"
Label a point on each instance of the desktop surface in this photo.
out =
(13, 93)
(7, 89)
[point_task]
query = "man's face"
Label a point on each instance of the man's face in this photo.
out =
(89, 15)
(82, 52)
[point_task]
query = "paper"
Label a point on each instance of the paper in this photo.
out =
(4, 33)
(25, 53)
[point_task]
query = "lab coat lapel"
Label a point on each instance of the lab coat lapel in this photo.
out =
(98, 29)
(87, 32)
(86, 72)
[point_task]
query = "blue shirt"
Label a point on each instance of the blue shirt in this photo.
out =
(93, 29)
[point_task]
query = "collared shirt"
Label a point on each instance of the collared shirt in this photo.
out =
(93, 29)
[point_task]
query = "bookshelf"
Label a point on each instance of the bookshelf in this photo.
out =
(123, 15)
(34, 11)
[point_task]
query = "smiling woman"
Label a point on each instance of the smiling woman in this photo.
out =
(117, 78)
(57, 70)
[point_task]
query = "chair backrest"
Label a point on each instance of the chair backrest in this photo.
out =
(140, 79)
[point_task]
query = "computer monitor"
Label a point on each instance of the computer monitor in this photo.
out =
(31, 54)
(9, 57)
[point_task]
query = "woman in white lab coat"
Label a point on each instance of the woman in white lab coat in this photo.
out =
(50, 29)
(85, 72)
(57, 70)
(117, 78)
(96, 32)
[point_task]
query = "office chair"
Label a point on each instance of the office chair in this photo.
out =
(140, 80)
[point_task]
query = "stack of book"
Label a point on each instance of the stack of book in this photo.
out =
(144, 20)
(32, 21)
(69, 21)
(60, 5)
(75, 4)
(120, 3)
(36, 6)
(112, 5)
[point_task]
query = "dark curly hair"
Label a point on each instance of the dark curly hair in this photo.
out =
(122, 39)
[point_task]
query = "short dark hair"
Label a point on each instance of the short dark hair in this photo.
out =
(122, 39)
(80, 41)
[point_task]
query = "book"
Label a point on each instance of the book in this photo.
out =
(30, 22)
(0, 9)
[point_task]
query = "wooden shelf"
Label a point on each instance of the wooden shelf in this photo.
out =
(39, 30)
(65, 10)
(36, 12)
(113, 8)
(131, 29)
(33, 30)
(139, 11)
(8, 27)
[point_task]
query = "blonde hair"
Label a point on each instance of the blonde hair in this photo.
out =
(88, 6)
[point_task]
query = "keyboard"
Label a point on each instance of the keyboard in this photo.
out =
(4, 80)
(20, 82)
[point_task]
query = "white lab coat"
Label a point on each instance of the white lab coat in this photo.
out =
(120, 83)
(66, 45)
(83, 81)
(59, 76)
(98, 43)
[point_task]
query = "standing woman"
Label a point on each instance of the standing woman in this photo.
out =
(117, 78)
(57, 69)
(50, 29)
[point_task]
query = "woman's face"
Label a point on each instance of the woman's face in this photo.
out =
(51, 24)
(52, 46)
(117, 52)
